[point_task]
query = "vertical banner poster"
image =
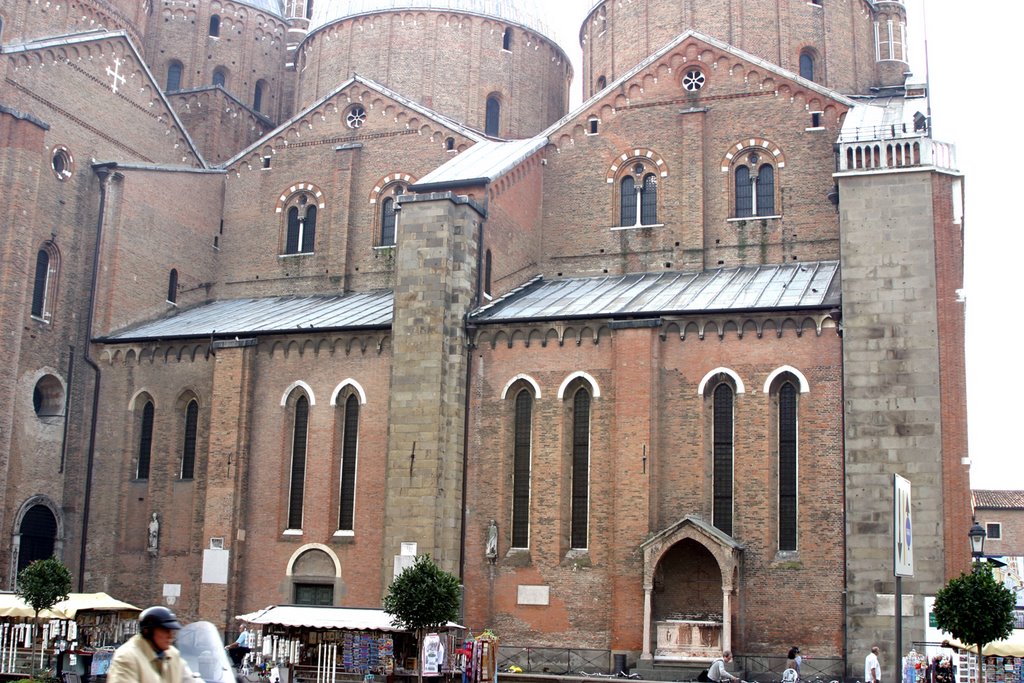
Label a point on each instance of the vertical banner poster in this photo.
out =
(902, 537)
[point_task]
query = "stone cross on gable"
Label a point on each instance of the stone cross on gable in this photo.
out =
(115, 72)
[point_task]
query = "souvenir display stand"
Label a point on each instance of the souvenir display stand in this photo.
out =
(75, 637)
(300, 644)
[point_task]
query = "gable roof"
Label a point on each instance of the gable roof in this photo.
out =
(789, 286)
(494, 159)
(1004, 500)
(96, 36)
(373, 85)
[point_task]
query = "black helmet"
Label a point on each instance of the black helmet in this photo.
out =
(158, 616)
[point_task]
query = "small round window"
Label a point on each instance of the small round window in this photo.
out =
(355, 117)
(62, 163)
(693, 80)
(48, 397)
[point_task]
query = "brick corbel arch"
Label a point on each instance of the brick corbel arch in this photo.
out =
(753, 143)
(300, 187)
(637, 154)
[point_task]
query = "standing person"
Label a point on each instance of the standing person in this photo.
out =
(793, 660)
(872, 669)
(717, 672)
(149, 656)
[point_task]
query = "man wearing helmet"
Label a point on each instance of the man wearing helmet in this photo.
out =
(149, 656)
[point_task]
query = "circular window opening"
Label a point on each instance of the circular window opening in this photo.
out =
(356, 117)
(48, 397)
(61, 163)
(693, 80)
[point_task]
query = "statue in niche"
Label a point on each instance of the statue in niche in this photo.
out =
(491, 550)
(154, 535)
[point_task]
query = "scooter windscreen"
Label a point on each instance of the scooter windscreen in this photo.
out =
(202, 649)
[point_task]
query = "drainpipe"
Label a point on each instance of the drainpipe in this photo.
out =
(103, 172)
(67, 410)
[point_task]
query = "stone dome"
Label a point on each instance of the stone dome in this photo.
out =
(525, 13)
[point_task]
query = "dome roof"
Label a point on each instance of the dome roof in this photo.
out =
(522, 12)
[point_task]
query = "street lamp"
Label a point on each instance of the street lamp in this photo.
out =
(977, 536)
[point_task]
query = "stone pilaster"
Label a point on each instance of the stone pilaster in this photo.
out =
(435, 280)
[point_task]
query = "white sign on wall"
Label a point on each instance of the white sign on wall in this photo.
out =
(902, 536)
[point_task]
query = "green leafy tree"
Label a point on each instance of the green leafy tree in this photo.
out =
(42, 585)
(424, 597)
(975, 608)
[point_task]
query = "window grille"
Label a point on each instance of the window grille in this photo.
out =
(296, 488)
(521, 470)
(649, 201)
(174, 76)
(388, 222)
(723, 454)
(766, 191)
(787, 467)
(580, 468)
(349, 441)
(744, 193)
(627, 201)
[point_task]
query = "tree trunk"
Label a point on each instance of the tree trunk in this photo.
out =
(419, 655)
(981, 665)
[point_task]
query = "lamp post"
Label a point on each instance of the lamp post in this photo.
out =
(977, 535)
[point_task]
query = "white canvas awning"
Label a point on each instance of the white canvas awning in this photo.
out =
(352, 618)
(99, 602)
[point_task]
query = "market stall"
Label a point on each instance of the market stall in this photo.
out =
(1003, 659)
(305, 644)
(75, 636)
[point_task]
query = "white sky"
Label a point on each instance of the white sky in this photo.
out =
(970, 49)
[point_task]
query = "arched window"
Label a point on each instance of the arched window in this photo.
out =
(174, 70)
(172, 286)
(38, 536)
(297, 483)
(449, 144)
(522, 439)
(257, 95)
(580, 469)
(301, 231)
(638, 188)
(44, 282)
(349, 443)
(807, 65)
(389, 210)
(602, 83)
(145, 441)
(754, 186)
(787, 435)
(214, 25)
(188, 448)
(722, 458)
(220, 77)
(506, 40)
(492, 123)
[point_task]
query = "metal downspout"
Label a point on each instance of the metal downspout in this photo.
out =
(103, 172)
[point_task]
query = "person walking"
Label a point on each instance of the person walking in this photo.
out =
(872, 669)
(149, 656)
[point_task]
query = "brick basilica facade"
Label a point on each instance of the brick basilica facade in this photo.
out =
(285, 287)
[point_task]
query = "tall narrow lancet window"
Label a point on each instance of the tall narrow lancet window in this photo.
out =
(787, 466)
(145, 442)
(523, 428)
(744, 193)
(301, 233)
(220, 77)
(38, 532)
(506, 40)
(174, 76)
(172, 286)
(649, 200)
(754, 186)
(188, 449)
(215, 25)
(580, 469)
(492, 122)
(309, 9)
(722, 457)
(627, 201)
(766, 190)
(349, 444)
(488, 263)
(297, 483)
(40, 283)
(388, 222)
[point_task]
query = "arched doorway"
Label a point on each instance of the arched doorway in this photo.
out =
(315, 575)
(37, 536)
(689, 577)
